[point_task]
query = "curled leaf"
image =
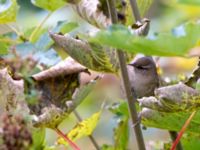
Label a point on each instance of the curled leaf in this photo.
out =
(11, 94)
(66, 67)
(56, 88)
(91, 55)
(88, 9)
(173, 98)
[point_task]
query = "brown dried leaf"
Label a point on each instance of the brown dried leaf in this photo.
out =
(11, 93)
(57, 84)
(88, 9)
(65, 67)
(56, 87)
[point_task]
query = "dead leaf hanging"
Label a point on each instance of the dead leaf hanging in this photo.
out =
(56, 87)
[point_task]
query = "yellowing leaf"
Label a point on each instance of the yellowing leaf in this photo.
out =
(84, 128)
(8, 11)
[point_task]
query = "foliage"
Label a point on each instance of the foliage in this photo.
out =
(178, 43)
(8, 11)
(43, 89)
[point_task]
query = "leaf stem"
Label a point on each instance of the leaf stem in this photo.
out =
(72, 144)
(126, 81)
(37, 29)
(182, 131)
(92, 139)
(174, 135)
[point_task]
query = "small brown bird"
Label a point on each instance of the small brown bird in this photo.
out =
(143, 76)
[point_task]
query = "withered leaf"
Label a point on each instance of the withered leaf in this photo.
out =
(56, 87)
(11, 94)
(173, 98)
(57, 84)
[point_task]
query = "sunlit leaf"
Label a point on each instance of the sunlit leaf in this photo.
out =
(84, 128)
(38, 138)
(50, 5)
(8, 11)
(177, 43)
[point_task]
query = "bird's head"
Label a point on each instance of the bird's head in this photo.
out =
(144, 64)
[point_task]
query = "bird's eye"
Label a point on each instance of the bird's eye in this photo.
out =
(142, 67)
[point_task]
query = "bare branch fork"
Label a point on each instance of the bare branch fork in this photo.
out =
(130, 99)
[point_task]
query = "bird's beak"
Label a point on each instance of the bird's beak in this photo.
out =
(133, 65)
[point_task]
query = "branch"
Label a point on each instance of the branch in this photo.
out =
(135, 10)
(127, 87)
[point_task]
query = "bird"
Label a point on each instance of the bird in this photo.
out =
(143, 76)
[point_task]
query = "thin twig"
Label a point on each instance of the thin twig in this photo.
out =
(37, 29)
(92, 139)
(135, 10)
(72, 144)
(124, 72)
(14, 29)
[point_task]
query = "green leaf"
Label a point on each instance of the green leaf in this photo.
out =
(3, 48)
(91, 55)
(191, 2)
(84, 128)
(107, 147)
(120, 108)
(121, 135)
(190, 141)
(8, 11)
(38, 138)
(171, 121)
(164, 44)
(50, 5)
